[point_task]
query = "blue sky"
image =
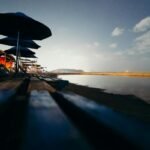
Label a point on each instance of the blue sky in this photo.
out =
(93, 35)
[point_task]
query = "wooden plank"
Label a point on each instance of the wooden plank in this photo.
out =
(7, 91)
(40, 85)
(136, 132)
(48, 128)
(13, 104)
(6, 94)
(12, 118)
(10, 84)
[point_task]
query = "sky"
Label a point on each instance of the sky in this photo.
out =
(92, 35)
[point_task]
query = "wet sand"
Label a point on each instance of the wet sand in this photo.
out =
(127, 104)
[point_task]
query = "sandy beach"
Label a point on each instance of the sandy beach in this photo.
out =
(126, 74)
(127, 104)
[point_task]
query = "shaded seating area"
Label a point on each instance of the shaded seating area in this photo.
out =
(23, 30)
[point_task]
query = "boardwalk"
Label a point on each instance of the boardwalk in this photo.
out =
(34, 115)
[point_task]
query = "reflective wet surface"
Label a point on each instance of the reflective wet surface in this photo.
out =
(47, 126)
(136, 131)
(139, 87)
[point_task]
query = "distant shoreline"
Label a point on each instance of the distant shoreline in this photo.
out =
(128, 74)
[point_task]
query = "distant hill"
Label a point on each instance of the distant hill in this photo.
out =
(66, 71)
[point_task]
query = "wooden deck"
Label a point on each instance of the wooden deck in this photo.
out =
(34, 115)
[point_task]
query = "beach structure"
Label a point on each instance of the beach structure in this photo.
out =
(23, 43)
(23, 48)
(21, 26)
(22, 51)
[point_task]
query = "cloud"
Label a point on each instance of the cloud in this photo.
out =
(93, 45)
(143, 25)
(141, 45)
(113, 45)
(117, 31)
(143, 42)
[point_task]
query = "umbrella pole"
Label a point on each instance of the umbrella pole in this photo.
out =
(17, 52)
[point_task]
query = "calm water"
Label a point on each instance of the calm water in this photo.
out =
(121, 85)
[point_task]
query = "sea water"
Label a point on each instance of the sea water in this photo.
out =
(139, 87)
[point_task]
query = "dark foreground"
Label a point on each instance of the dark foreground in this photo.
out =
(37, 114)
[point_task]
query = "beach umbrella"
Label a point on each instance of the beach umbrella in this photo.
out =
(23, 54)
(24, 43)
(28, 56)
(28, 28)
(23, 51)
(21, 26)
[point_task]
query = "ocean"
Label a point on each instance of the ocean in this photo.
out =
(139, 87)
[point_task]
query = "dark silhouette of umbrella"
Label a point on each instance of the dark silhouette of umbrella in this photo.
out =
(20, 26)
(23, 54)
(28, 28)
(28, 56)
(23, 51)
(24, 43)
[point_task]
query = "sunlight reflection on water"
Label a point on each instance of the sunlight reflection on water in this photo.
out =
(139, 87)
